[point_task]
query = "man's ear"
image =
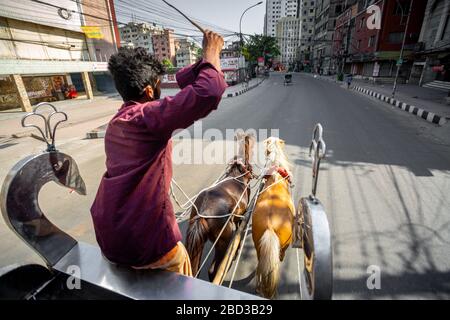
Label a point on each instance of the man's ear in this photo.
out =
(149, 93)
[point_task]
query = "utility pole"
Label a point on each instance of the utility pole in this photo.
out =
(400, 60)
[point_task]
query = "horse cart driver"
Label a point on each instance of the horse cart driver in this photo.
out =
(132, 213)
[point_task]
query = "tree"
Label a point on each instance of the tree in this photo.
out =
(260, 46)
(198, 53)
(168, 64)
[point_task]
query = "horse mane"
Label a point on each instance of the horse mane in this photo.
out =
(280, 159)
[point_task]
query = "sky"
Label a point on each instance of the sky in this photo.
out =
(224, 13)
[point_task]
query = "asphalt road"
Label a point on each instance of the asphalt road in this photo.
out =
(385, 185)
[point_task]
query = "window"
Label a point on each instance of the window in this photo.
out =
(395, 37)
(401, 7)
(361, 23)
(446, 30)
(371, 41)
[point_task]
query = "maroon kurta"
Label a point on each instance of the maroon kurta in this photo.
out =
(132, 213)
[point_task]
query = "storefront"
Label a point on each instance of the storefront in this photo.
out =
(8, 94)
(45, 88)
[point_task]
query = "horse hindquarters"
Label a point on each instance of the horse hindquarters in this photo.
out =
(195, 241)
(268, 270)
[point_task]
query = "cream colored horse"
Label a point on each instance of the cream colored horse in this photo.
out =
(273, 219)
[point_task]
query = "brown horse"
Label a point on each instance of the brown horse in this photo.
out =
(272, 219)
(215, 205)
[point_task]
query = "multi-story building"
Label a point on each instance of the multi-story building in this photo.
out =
(432, 62)
(275, 10)
(326, 12)
(164, 45)
(288, 36)
(374, 53)
(231, 51)
(343, 33)
(306, 14)
(136, 34)
(186, 52)
(62, 43)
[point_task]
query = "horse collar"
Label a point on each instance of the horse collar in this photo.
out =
(281, 171)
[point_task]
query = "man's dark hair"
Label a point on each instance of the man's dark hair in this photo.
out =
(133, 70)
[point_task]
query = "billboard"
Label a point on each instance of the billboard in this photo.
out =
(92, 32)
(261, 62)
(229, 63)
(232, 63)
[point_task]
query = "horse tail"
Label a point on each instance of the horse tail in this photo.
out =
(268, 270)
(195, 241)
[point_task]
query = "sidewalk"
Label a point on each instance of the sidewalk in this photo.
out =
(60, 105)
(78, 111)
(426, 103)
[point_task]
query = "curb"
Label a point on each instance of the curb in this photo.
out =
(97, 133)
(240, 92)
(421, 113)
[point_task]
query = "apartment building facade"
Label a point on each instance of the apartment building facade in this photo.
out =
(135, 34)
(374, 53)
(275, 10)
(288, 36)
(326, 12)
(164, 45)
(306, 14)
(186, 52)
(432, 61)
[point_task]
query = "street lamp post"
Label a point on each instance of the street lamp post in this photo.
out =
(400, 62)
(241, 41)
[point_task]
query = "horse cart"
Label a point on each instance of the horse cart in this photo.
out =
(77, 270)
(288, 79)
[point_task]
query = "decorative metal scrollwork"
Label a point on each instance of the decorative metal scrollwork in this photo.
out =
(48, 134)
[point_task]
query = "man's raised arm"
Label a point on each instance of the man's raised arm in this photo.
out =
(202, 87)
